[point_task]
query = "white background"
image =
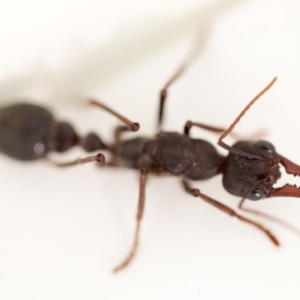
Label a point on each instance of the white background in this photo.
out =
(62, 231)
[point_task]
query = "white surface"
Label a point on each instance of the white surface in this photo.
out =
(61, 231)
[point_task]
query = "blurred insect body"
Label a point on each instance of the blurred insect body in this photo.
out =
(251, 169)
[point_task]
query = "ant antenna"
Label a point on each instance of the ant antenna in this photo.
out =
(231, 127)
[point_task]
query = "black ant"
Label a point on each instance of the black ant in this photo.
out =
(29, 132)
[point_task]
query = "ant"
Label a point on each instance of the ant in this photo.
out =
(29, 132)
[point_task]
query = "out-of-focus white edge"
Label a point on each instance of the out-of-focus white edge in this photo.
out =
(91, 66)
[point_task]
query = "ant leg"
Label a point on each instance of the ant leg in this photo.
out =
(118, 132)
(283, 223)
(164, 93)
(189, 124)
(131, 125)
(230, 128)
(95, 158)
(139, 216)
(228, 210)
(200, 42)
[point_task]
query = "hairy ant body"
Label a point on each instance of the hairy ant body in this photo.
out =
(249, 171)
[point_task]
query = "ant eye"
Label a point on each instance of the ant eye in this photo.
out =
(265, 146)
(256, 194)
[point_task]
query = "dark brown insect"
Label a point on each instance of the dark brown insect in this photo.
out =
(29, 132)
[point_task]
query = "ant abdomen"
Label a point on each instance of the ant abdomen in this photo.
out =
(25, 130)
(29, 132)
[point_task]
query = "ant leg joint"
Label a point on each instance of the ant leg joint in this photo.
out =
(100, 158)
(187, 127)
(163, 94)
(135, 127)
(144, 170)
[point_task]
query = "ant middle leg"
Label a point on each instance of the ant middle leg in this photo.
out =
(196, 49)
(139, 216)
(229, 211)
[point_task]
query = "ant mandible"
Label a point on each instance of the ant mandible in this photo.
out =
(29, 132)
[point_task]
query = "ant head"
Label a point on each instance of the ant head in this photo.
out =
(252, 168)
(253, 176)
(248, 177)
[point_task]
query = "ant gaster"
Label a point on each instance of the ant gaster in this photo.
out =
(29, 132)
(250, 170)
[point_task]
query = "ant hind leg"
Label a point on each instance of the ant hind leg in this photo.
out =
(100, 158)
(140, 211)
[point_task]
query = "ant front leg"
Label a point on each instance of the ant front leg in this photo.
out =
(229, 211)
(139, 216)
(283, 223)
